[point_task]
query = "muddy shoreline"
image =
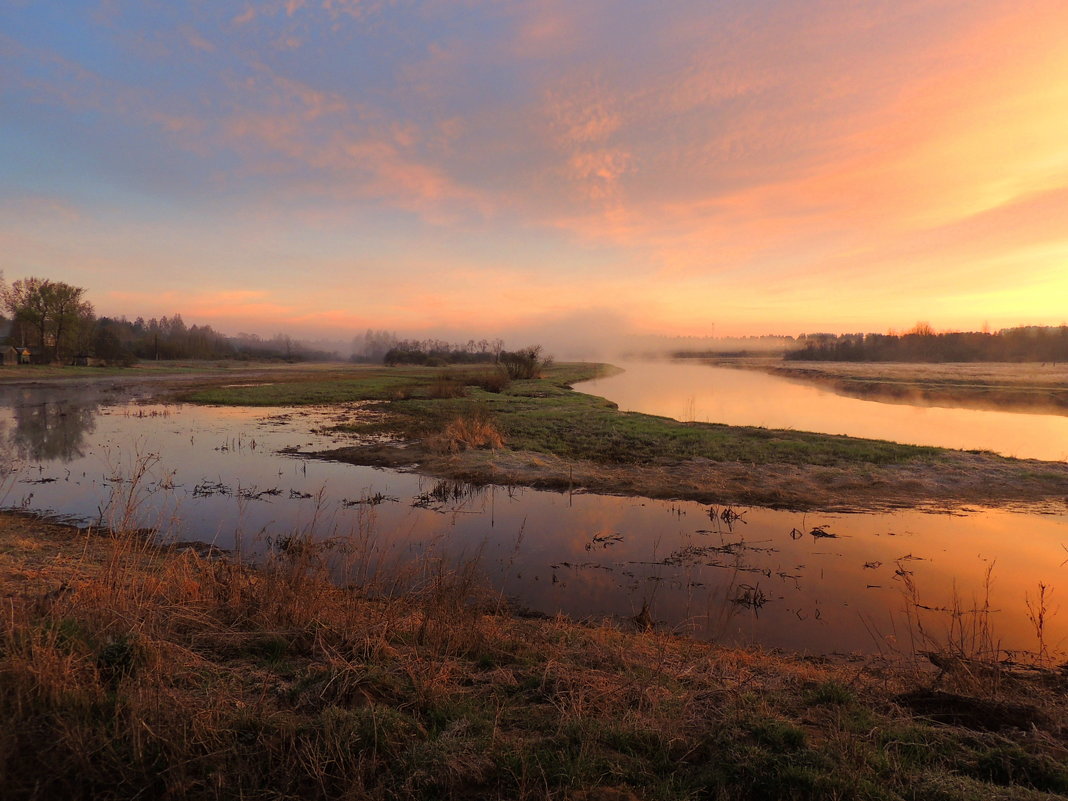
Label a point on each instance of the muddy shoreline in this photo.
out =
(962, 479)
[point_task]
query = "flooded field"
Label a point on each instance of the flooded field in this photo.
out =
(813, 583)
(704, 393)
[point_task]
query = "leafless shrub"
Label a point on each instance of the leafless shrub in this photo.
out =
(525, 363)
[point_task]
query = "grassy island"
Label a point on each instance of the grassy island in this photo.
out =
(466, 423)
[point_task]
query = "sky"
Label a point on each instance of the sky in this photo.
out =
(509, 167)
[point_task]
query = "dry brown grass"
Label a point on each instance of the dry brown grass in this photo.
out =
(131, 670)
(141, 653)
(472, 429)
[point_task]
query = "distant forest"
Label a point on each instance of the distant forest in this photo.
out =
(385, 347)
(170, 338)
(922, 344)
(55, 323)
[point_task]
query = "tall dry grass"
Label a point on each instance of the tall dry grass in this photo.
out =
(161, 672)
(474, 428)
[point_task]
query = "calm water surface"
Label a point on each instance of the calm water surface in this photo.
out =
(235, 477)
(747, 397)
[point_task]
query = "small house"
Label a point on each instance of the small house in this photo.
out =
(8, 355)
(32, 354)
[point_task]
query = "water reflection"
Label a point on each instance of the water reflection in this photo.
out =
(44, 428)
(815, 583)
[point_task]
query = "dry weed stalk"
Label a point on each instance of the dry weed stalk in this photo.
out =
(964, 646)
(1038, 611)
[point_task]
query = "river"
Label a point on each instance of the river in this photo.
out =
(813, 583)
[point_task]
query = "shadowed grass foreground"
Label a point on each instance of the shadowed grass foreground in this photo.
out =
(129, 671)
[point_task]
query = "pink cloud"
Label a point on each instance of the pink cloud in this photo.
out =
(196, 40)
(245, 16)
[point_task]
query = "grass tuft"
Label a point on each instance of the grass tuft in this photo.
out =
(471, 429)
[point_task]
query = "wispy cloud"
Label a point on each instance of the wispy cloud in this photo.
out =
(880, 156)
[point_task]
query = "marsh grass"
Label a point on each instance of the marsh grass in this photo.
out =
(490, 379)
(447, 385)
(1007, 385)
(315, 387)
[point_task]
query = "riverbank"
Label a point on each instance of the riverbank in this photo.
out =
(1039, 388)
(131, 671)
(547, 435)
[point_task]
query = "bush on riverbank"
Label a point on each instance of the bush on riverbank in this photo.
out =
(525, 363)
(130, 671)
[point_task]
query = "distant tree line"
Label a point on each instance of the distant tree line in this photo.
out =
(55, 322)
(387, 349)
(923, 344)
(119, 340)
(372, 346)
